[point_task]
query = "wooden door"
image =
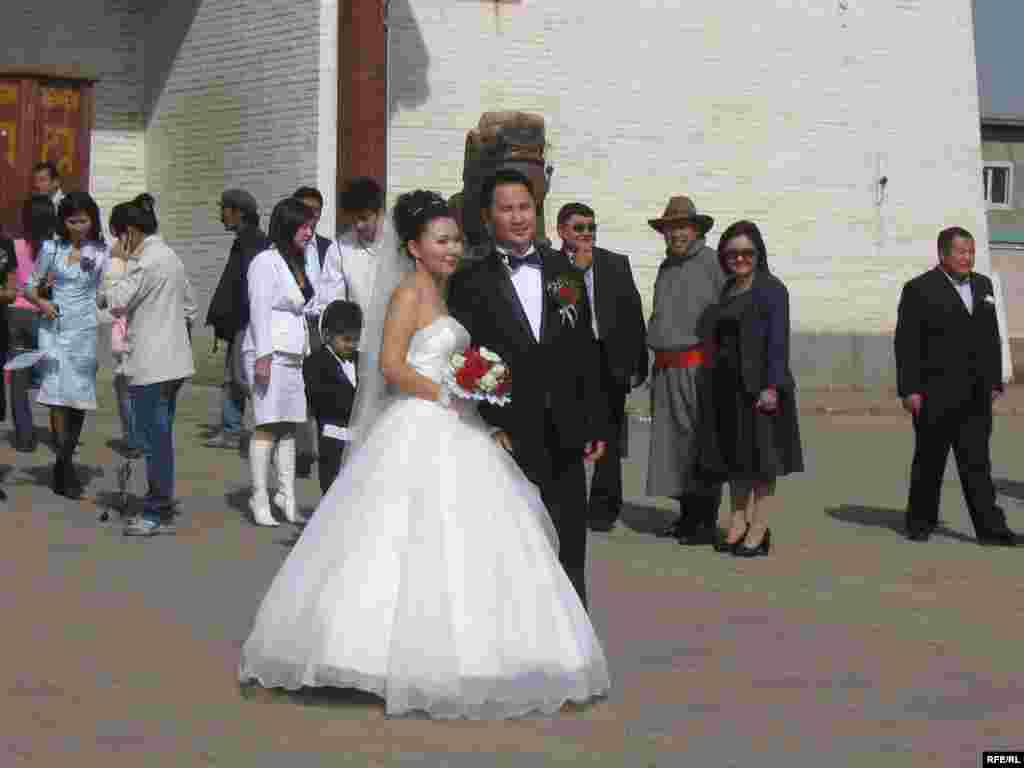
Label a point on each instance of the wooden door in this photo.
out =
(43, 116)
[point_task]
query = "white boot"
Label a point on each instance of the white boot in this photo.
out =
(285, 496)
(259, 466)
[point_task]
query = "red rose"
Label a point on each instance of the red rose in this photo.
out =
(567, 294)
(476, 367)
(466, 380)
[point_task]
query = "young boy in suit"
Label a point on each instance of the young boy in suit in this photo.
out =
(330, 376)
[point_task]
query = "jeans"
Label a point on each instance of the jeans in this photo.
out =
(153, 410)
(23, 331)
(232, 410)
(233, 406)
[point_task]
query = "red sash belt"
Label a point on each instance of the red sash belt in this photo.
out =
(692, 357)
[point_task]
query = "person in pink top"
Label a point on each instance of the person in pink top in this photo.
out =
(38, 223)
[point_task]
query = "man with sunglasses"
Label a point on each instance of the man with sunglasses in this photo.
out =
(689, 283)
(617, 319)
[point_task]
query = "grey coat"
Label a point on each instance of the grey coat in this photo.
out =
(157, 297)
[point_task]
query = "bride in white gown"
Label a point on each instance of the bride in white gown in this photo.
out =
(429, 573)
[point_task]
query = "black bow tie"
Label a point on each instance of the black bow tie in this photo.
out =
(531, 259)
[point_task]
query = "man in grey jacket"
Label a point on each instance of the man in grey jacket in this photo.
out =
(689, 283)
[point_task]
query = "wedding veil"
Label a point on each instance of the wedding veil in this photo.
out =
(373, 392)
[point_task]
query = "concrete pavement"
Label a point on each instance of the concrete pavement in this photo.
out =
(848, 646)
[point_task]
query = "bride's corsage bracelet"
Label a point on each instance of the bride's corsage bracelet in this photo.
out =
(477, 373)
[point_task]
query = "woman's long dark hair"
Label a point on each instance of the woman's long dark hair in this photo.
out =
(79, 202)
(287, 217)
(38, 222)
(749, 229)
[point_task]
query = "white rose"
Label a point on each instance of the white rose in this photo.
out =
(458, 361)
(489, 356)
(488, 383)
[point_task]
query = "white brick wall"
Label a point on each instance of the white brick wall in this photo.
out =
(241, 106)
(102, 37)
(785, 112)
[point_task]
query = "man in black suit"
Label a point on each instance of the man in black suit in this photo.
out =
(617, 322)
(526, 303)
(949, 368)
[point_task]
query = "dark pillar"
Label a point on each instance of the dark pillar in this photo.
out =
(362, 91)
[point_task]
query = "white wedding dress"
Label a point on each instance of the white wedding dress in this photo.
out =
(429, 574)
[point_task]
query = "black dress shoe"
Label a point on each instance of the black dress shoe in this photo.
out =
(670, 531)
(919, 534)
(742, 550)
(601, 526)
(1005, 538)
(697, 537)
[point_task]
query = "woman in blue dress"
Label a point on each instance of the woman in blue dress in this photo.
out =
(64, 284)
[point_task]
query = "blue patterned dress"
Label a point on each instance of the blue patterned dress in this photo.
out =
(69, 368)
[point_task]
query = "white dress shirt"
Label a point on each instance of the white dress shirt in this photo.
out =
(588, 282)
(349, 369)
(529, 285)
(349, 268)
(964, 289)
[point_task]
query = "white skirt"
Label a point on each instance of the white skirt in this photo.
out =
(284, 399)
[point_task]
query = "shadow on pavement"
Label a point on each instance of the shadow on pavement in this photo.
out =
(885, 517)
(645, 519)
(333, 698)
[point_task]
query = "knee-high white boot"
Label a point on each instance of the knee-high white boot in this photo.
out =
(285, 496)
(259, 466)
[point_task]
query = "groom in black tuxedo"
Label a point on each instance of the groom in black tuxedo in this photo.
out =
(557, 417)
(949, 370)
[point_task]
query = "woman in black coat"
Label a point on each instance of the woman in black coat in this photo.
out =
(753, 435)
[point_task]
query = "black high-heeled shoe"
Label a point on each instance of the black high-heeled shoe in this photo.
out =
(741, 550)
(722, 543)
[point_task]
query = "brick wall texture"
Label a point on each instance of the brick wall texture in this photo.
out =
(785, 112)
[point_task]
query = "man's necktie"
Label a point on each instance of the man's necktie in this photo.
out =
(530, 260)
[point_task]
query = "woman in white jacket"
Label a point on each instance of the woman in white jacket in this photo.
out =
(275, 344)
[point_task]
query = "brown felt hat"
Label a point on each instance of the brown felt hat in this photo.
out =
(681, 208)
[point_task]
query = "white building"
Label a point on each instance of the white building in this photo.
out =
(787, 112)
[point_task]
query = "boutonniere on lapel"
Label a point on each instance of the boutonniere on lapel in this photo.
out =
(990, 299)
(566, 290)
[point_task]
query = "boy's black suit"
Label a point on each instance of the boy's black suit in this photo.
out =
(330, 395)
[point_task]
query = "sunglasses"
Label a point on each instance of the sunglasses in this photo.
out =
(581, 228)
(735, 254)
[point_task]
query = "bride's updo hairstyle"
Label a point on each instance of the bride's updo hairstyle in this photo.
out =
(414, 211)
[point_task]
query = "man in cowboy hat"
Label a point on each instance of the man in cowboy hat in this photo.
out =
(689, 283)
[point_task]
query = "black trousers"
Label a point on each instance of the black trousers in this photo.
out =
(605, 501)
(966, 428)
(329, 461)
(563, 488)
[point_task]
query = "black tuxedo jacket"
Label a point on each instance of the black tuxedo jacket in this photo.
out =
(328, 390)
(557, 374)
(620, 317)
(943, 351)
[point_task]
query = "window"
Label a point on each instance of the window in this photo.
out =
(997, 178)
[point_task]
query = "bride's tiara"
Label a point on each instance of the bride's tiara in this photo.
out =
(436, 202)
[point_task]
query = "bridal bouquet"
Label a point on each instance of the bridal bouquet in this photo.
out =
(477, 373)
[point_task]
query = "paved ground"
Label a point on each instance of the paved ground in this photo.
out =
(849, 646)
